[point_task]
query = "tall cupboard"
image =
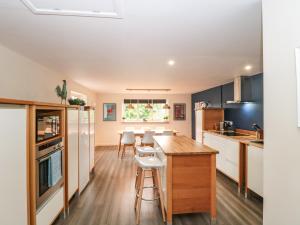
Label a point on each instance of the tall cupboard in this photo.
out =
(13, 163)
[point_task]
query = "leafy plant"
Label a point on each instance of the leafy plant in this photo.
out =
(76, 101)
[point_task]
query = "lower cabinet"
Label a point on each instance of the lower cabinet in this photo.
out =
(228, 157)
(52, 209)
(255, 169)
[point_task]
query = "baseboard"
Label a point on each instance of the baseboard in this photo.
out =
(107, 147)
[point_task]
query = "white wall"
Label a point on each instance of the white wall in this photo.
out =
(24, 79)
(281, 23)
(106, 132)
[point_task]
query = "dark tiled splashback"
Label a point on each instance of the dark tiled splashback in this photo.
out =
(243, 115)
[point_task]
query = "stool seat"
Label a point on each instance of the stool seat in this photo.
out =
(146, 150)
(148, 162)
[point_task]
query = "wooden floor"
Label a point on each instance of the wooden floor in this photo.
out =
(109, 200)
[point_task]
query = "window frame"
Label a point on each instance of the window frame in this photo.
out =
(136, 102)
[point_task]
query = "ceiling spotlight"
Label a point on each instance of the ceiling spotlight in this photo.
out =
(248, 67)
(171, 62)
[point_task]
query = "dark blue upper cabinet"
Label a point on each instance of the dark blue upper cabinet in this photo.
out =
(257, 89)
(227, 93)
(212, 96)
(247, 89)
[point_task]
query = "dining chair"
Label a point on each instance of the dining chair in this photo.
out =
(128, 140)
(147, 139)
(167, 133)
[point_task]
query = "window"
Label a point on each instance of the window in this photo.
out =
(140, 111)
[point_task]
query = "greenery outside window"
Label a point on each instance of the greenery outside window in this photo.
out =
(141, 113)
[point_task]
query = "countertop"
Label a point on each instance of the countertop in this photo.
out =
(242, 139)
(182, 145)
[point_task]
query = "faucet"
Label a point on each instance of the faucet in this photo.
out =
(259, 131)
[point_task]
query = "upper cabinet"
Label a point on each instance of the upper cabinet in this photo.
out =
(249, 88)
(212, 96)
(227, 93)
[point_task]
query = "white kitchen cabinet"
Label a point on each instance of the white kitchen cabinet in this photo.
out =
(52, 209)
(228, 158)
(92, 138)
(84, 151)
(255, 169)
(73, 150)
(13, 172)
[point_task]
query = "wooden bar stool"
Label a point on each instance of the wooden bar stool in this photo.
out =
(143, 152)
(144, 164)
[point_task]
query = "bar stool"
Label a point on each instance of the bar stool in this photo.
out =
(144, 152)
(144, 164)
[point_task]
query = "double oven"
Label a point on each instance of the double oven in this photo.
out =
(49, 154)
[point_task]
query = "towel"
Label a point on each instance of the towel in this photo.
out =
(55, 169)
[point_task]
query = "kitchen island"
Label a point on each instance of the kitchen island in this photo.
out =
(188, 177)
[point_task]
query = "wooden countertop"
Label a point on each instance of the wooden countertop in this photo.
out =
(242, 139)
(182, 145)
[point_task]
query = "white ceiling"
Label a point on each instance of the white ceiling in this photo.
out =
(210, 40)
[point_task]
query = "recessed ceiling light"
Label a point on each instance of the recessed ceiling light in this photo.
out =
(171, 62)
(248, 67)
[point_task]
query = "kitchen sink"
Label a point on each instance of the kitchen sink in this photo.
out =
(258, 142)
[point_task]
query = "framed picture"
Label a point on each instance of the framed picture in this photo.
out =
(109, 112)
(298, 82)
(179, 111)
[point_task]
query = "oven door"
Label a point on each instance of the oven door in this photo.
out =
(49, 175)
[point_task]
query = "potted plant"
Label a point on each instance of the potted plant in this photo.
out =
(76, 101)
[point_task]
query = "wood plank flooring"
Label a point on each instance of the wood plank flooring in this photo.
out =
(109, 200)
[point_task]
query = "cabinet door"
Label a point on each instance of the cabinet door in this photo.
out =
(73, 151)
(199, 116)
(231, 158)
(92, 139)
(228, 158)
(13, 172)
(215, 142)
(84, 151)
(255, 169)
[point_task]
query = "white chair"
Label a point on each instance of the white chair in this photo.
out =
(147, 139)
(128, 140)
(147, 150)
(145, 164)
(167, 133)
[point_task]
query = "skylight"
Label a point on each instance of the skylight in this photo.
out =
(87, 8)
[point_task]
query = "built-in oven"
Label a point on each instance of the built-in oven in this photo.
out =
(49, 169)
(48, 124)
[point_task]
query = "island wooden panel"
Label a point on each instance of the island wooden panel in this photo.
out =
(191, 184)
(190, 176)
